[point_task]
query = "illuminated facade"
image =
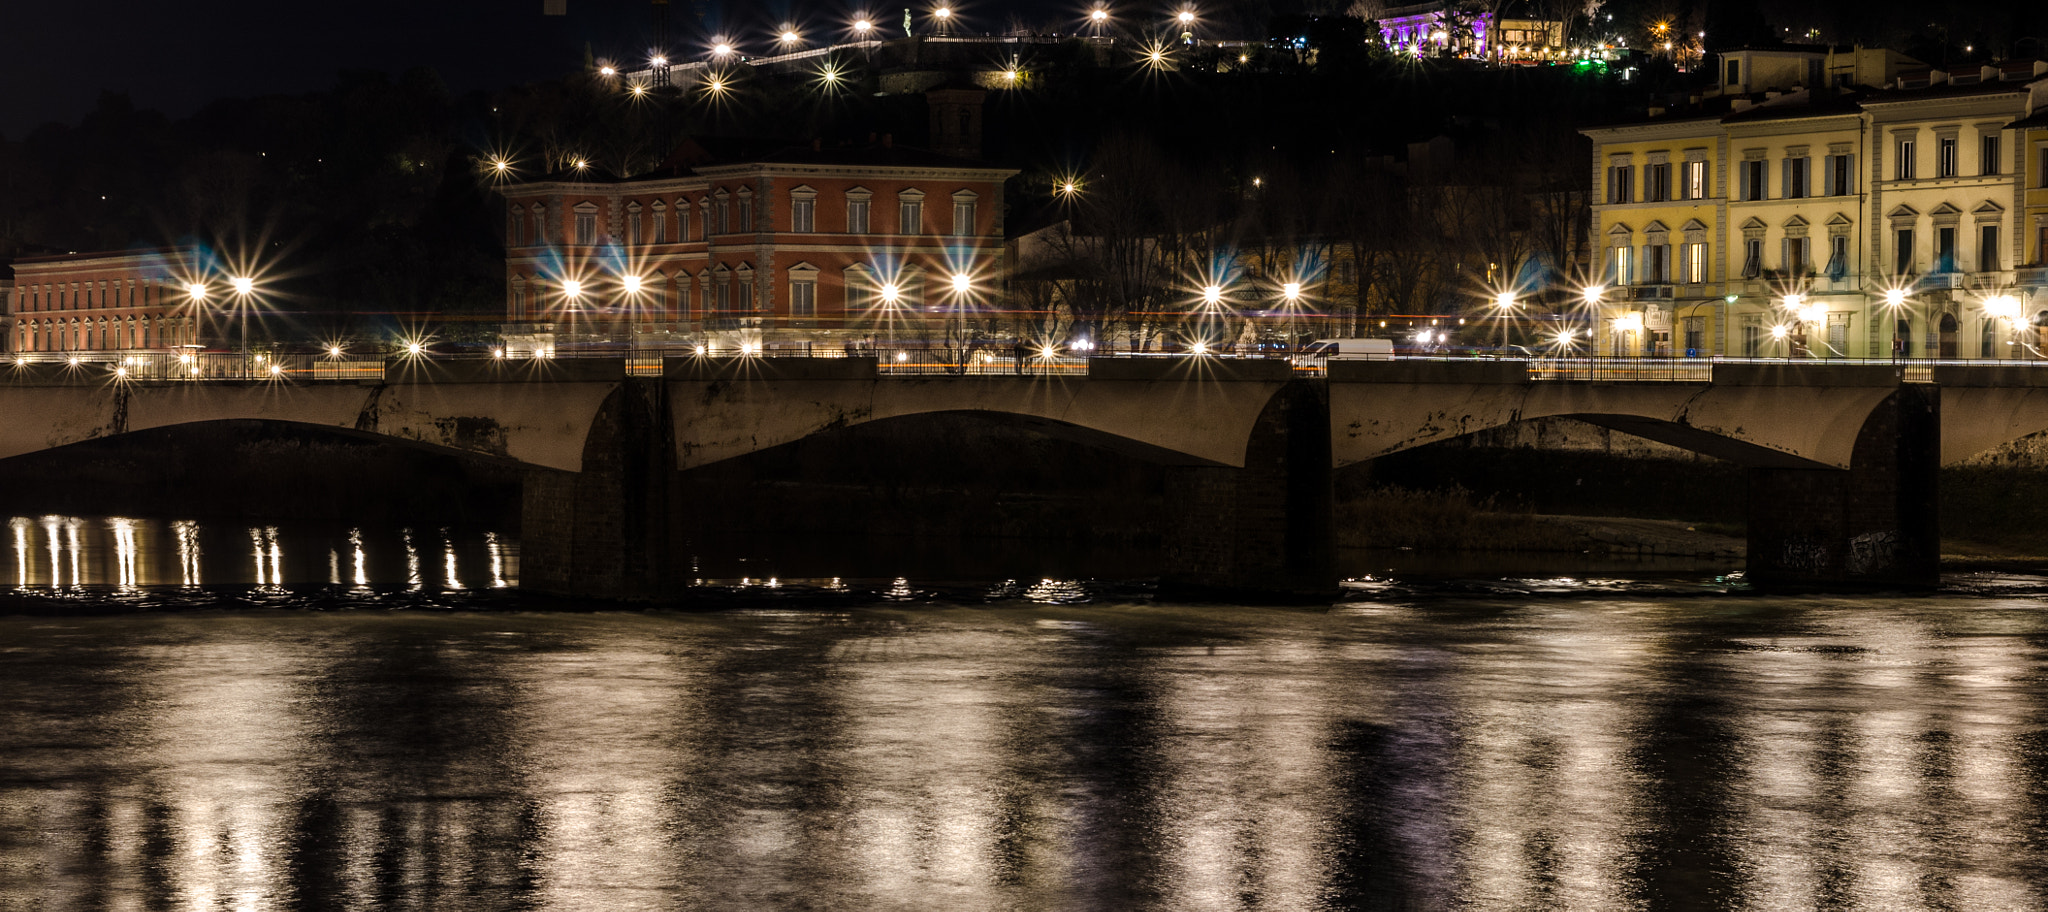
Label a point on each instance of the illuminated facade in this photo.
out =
(128, 301)
(1664, 208)
(799, 245)
(1800, 223)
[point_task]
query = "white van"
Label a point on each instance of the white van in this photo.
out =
(1354, 349)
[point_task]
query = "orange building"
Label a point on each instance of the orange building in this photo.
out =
(129, 301)
(800, 244)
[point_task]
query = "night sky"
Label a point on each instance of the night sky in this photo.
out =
(56, 56)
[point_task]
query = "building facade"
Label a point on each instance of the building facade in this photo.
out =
(1901, 221)
(130, 301)
(800, 245)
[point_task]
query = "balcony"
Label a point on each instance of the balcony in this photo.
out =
(1648, 292)
(2031, 276)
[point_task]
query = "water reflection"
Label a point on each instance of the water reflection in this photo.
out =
(188, 551)
(76, 557)
(1420, 752)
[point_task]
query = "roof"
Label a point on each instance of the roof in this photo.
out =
(695, 154)
(1782, 109)
(1950, 90)
(2039, 121)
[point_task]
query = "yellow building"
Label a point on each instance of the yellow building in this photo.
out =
(1907, 220)
(1798, 273)
(1663, 204)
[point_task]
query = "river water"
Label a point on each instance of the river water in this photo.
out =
(215, 715)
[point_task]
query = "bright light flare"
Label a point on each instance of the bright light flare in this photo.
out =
(607, 71)
(242, 284)
(1895, 297)
(1505, 300)
(891, 293)
(962, 283)
(1780, 331)
(1098, 15)
(658, 60)
(943, 13)
(572, 289)
(722, 49)
(195, 291)
(632, 284)
(1212, 294)
(1632, 322)
(790, 36)
(2003, 307)
(1291, 291)
(1200, 348)
(333, 351)
(414, 349)
(1592, 293)
(1186, 17)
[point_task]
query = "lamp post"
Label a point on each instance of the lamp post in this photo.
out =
(1895, 305)
(243, 286)
(1290, 296)
(1505, 301)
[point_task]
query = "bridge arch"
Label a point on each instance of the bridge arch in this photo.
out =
(1166, 421)
(1809, 426)
(539, 424)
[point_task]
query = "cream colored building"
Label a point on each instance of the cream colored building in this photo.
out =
(1810, 222)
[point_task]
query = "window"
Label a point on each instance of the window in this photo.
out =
(660, 223)
(1795, 178)
(1987, 154)
(1693, 270)
(1621, 184)
(518, 232)
(633, 224)
(1752, 257)
(746, 213)
(857, 216)
(803, 215)
(1902, 252)
(1753, 179)
(1838, 334)
(1838, 257)
(1734, 72)
(2044, 168)
(724, 213)
(1657, 183)
(1945, 157)
(910, 216)
(1656, 263)
(586, 225)
(1837, 179)
(1944, 250)
(803, 292)
(746, 292)
(721, 286)
(1695, 336)
(1623, 265)
(2041, 246)
(963, 217)
(1987, 248)
(1795, 256)
(1904, 159)
(540, 224)
(1695, 180)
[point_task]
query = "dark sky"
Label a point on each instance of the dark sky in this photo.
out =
(56, 56)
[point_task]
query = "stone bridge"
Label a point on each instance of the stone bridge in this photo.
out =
(1841, 459)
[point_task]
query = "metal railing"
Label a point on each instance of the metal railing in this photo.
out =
(890, 361)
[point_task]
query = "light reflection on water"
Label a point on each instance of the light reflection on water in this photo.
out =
(126, 554)
(1549, 751)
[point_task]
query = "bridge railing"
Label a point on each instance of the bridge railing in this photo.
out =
(891, 361)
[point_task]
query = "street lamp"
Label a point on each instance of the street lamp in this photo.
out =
(243, 286)
(1505, 301)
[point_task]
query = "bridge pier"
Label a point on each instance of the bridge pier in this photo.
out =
(1875, 524)
(1265, 531)
(603, 533)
